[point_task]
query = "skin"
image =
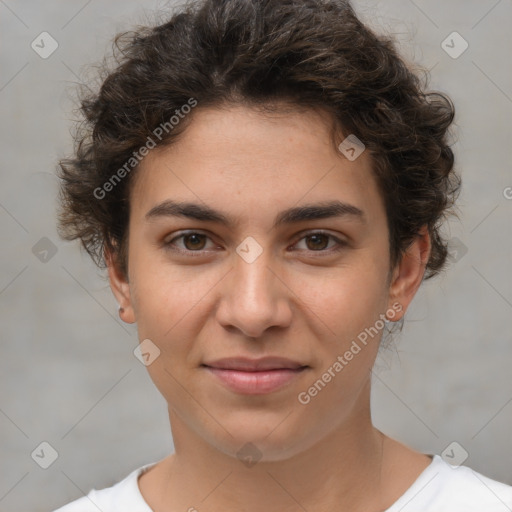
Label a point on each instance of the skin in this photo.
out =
(298, 299)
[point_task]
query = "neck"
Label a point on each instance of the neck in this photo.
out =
(341, 472)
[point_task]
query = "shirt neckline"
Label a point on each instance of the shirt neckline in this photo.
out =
(406, 496)
(412, 490)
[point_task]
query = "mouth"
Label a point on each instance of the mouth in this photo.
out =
(255, 376)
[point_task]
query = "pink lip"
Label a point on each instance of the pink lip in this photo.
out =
(255, 376)
(255, 382)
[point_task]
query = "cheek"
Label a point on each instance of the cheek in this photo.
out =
(167, 307)
(346, 298)
(350, 309)
(345, 313)
(164, 294)
(172, 306)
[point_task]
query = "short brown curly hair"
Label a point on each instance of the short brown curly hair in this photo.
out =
(261, 53)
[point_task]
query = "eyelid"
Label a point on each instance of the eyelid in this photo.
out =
(339, 242)
(181, 234)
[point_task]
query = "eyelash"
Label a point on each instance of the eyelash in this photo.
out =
(170, 245)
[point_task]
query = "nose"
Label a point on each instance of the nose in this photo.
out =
(254, 297)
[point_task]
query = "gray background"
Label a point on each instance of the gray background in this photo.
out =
(68, 373)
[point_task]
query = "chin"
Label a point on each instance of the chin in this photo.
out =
(261, 440)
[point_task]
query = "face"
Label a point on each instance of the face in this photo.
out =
(254, 282)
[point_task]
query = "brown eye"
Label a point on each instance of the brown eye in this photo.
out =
(196, 241)
(319, 241)
(192, 242)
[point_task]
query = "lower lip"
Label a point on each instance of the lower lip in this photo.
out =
(255, 383)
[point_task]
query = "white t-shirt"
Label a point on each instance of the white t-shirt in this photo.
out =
(439, 488)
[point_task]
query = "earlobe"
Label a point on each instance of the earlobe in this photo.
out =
(120, 288)
(408, 274)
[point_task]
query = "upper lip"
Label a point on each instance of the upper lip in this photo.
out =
(247, 364)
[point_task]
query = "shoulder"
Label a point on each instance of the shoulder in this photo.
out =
(445, 488)
(124, 495)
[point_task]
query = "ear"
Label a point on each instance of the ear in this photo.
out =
(120, 288)
(408, 274)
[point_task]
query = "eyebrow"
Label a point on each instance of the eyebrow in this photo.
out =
(294, 215)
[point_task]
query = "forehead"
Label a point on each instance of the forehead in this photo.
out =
(258, 161)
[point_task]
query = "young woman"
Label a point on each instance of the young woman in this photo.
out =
(265, 183)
